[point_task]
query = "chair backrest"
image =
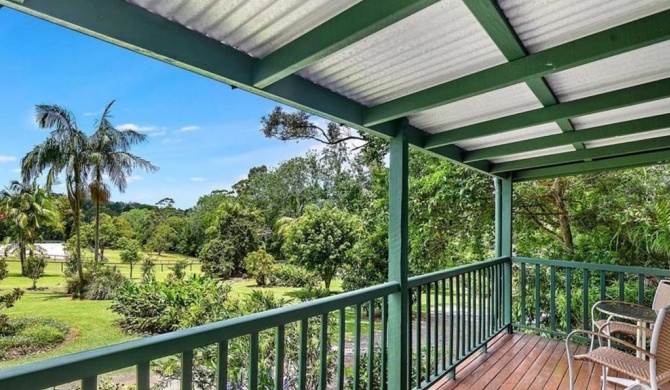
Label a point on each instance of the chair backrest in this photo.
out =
(662, 296)
(660, 342)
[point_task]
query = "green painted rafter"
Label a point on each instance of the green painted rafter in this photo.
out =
(350, 26)
(630, 36)
(592, 134)
(133, 28)
(646, 145)
(625, 162)
(607, 101)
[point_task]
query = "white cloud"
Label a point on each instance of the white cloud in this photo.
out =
(157, 134)
(91, 113)
(133, 178)
(4, 159)
(189, 128)
(197, 179)
(135, 127)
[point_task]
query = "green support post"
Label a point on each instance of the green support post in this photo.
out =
(503, 241)
(398, 314)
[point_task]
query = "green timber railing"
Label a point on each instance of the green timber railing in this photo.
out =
(455, 313)
(554, 297)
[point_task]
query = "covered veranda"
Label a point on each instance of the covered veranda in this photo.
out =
(516, 89)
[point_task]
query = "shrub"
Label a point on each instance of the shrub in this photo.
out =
(214, 257)
(179, 269)
(8, 300)
(310, 293)
(259, 264)
(35, 266)
(287, 275)
(159, 307)
(100, 282)
(148, 270)
(131, 253)
(30, 335)
(4, 271)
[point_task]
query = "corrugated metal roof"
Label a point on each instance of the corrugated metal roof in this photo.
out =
(637, 111)
(506, 101)
(640, 66)
(257, 27)
(510, 136)
(541, 24)
(627, 138)
(534, 153)
(437, 44)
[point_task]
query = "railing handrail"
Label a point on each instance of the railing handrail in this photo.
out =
(90, 363)
(593, 266)
(455, 271)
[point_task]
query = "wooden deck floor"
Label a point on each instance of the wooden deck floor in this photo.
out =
(524, 362)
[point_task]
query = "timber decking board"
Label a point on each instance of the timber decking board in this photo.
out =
(524, 362)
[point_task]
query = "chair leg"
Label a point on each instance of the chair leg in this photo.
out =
(570, 365)
(603, 385)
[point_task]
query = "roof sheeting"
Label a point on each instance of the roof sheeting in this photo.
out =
(439, 43)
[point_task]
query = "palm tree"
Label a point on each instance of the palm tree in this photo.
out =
(110, 156)
(65, 150)
(30, 208)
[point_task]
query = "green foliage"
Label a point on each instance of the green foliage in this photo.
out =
(214, 257)
(131, 253)
(25, 336)
(179, 269)
(159, 307)
(100, 282)
(108, 235)
(148, 274)
(7, 300)
(4, 271)
(322, 240)
(162, 239)
(35, 266)
(310, 293)
(259, 264)
(288, 275)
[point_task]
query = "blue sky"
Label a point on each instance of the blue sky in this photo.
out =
(202, 134)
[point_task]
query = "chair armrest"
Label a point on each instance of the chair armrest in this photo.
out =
(607, 337)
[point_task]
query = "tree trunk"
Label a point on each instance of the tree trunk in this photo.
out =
(97, 231)
(326, 281)
(80, 268)
(22, 258)
(558, 195)
(131, 270)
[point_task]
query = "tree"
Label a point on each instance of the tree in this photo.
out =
(130, 253)
(322, 240)
(65, 150)
(110, 155)
(35, 266)
(139, 220)
(29, 208)
(259, 264)
(237, 230)
(104, 235)
(162, 239)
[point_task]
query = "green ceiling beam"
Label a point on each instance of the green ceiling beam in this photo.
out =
(607, 101)
(350, 26)
(617, 40)
(646, 145)
(133, 28)
(632, 161)
(595, 133)
(496, 25)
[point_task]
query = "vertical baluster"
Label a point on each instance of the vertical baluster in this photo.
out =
(444, 324)
(384, 376)
(435, 328)
(371, 342)
(480, 287)
(603, 285)
(323, 353)
(457, 335)
(90, 383)
(340, 349)
(463, 315)
(585, 298)
(357, 347)
(428, 331)
(143, 376)
(253, 361)
(523, 294)
(451, 322)
(552, 299)
(411, 346)
(187, 370)
(568, 300)
(621, 286)
(302, 359)
(501, 296)
(279, 357)
(490, 303)
(640, 289)
(537, 296)
(418, 337)
(469, 317)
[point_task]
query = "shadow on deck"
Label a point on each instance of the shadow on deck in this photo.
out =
(522, 361)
